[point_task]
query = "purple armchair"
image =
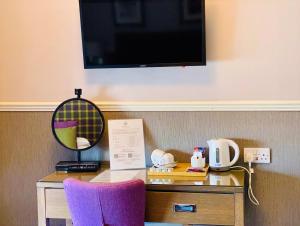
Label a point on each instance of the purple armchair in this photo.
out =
(106, 204)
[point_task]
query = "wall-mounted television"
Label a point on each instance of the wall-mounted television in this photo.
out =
(142, 33)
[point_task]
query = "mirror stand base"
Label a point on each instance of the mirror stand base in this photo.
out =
(74, 166)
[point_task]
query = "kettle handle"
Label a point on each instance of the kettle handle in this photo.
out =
(236, 152)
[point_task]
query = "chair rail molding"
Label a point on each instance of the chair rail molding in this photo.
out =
(165, 106)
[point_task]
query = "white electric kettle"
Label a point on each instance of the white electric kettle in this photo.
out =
(219, 154)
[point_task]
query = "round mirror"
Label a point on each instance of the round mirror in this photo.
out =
(77, 124)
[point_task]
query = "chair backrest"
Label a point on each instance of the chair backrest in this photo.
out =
(109, 204)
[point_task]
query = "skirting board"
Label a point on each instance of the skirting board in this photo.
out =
(165, 106)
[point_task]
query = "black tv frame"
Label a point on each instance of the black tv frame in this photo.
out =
(181, 64)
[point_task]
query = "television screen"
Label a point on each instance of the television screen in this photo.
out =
(142, 33)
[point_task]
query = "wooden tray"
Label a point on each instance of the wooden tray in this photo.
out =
(180, 170)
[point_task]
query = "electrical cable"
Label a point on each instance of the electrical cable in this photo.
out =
(250, 171)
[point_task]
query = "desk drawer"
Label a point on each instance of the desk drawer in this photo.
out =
(208, 208)
(56, 204)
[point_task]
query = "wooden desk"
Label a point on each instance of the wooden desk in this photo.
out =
(219, 198)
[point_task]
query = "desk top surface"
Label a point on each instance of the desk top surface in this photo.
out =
(229, 181)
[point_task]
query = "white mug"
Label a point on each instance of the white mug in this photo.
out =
(160, 158)
(156, 157)
(166, 159)
(197, 161)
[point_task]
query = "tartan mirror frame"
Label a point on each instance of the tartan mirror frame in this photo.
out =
(89, 118)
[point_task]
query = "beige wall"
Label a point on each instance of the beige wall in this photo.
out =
(28, 152)
(253, 54)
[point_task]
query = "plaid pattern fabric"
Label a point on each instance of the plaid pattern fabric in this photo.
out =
(90, 124)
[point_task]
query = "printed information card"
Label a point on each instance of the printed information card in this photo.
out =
(126, 144)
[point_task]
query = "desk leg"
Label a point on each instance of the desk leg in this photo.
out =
(239, 209)
(69, 222)
(41, 203)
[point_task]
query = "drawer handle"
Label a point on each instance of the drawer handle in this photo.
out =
(185, 208)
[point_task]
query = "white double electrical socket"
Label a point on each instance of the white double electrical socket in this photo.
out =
(257, 155)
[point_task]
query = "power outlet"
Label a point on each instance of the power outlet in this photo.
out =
(257, 155)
